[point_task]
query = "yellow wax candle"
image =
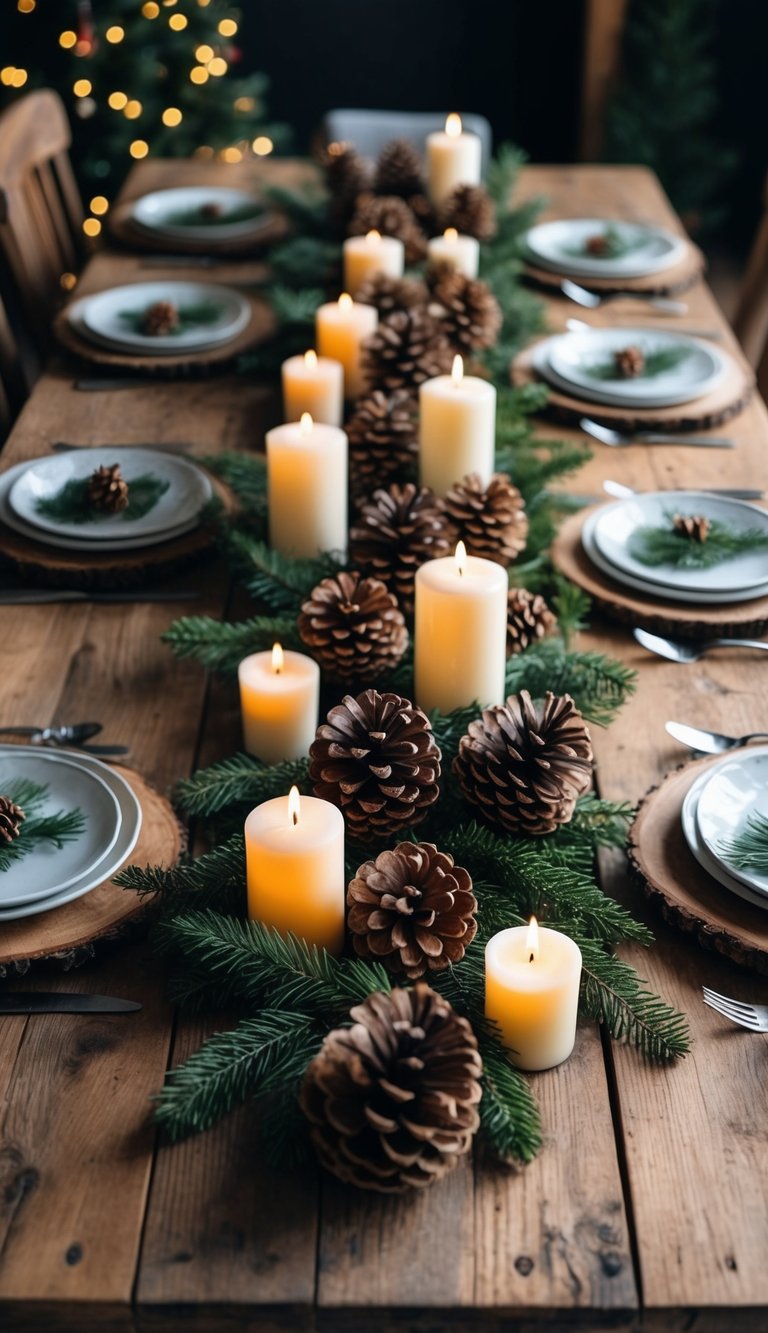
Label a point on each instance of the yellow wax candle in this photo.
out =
(453, 158)
(365, 256)
(294, 858)
(460, 252)
(279, 701)
(460, 633)
(532, 979)
(307, 488)
(341, 327)
(313, 384)
(457, 429)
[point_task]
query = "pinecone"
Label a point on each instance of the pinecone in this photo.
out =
(160, 318)
(354, 628)
(377, 760)
(597, 244)
(524, 765)
(470, 315)
(347, 175)
(108, 489)
(390, 216)
(392, 1101)
(528, 619)
(693, 526)
(397, 531)
(211, 210)
(11, 819)
(407, 348)
(391, 294)
(383, 440)
(412, 909)
(398, 169)
(629, 361)
(424, 213)
(491, 520)
(470, 209)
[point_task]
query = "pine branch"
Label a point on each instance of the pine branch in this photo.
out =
(296, 308)
(613, 994)
(503, 173)
(58, 828)
(217, 877)
(666, 546)
(245, 474)
(508, 1111)
(306, 262)
(749, 849)
(241, 780)
(599, 685)
(281, 582)
(221, 646)
(307, 208)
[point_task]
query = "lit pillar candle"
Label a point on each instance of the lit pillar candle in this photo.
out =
(294, 858)
(454, 158)
(460, 633)
(341, 327)
(279, 700)
(366, 256)
(457, 429)
(461, 252)
(313, 384)
(532, 979)
(307, 488)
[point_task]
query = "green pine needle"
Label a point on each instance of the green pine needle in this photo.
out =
(656, 363)
(70, 504)
(190, 317)
(508, 1110)
(599, 685)
(656, 546)
(59, 828)
(221, 646)
(198, 217)
(239, 781)
(612, 993)
(749, 849)
(615, 245)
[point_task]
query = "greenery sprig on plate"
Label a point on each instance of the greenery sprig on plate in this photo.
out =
(614, 244)
(189, 317)
(70, 504)
(666, 545)
(198, 217)
(749, 849)
(660, 362)
(59, 828)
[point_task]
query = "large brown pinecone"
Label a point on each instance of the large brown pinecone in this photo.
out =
(528, 620)
(424, 213)
(491, 520)
(398, 169)
(469, 313)
(470, 209)
(412, 909)
(392, 1101)
(354, 627)
(390, 216)
(396, 532)
(524, 765)
(383, 440)
(11, 819)
(160, 318)
(108, 489)
(391, 294)
(347, 175)
(407, 348)
(377, 760)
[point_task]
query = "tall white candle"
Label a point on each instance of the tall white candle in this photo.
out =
(532, 977)
(460, 632)
(341, 327)
(457, 429)
(279, 701)
(313, 384)
(460, 252)
(307, 488)
(454, 157)
(366, 256)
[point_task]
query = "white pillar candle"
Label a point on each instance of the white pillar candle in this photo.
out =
(341, 327)
(366, 256)
(279, 701)
(307, 488)
(454, 157)
(313, 384)
(294, 857)
(532, 977)
(461, 252)
(457, 429)
(460, 632)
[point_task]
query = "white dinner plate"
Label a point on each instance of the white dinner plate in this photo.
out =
(188, 490)
(127, 837)
(595, 394)
(559, 246)
(102, 316)
(575, 358)
(736, 789)
(172, 213)
(699, 851)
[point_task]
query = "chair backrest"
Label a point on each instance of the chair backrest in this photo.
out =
(13, 380)
(369, 131)
(750, 322)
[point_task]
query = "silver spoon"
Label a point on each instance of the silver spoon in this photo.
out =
(617, 439)
(575, 292)
(622, 492)
(710, 742)
(714, 335)
(674, 651)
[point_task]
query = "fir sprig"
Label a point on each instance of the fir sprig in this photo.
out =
(70, 504)
(190, 317)
(58, 828)
(241, 780)
(657, 363)
(656, 546)
(220, 646)
(615, 244)
(748, 850)
(199, 217)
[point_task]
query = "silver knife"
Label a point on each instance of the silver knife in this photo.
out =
(63, 1002)
(41, 596)
(106, 385)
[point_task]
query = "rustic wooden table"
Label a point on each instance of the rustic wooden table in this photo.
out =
(646, 1208)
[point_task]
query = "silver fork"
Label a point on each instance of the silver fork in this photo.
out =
(751, 1016)
(618, 439)
(714, 335)
(621, 492)
(575, 292)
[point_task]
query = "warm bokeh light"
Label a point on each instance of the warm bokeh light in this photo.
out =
(171, 116)
(204, 151)
(244, 104)
(278, 658)
(117, 101)
(82, 87)
(67, 39)
(450, 234)
(204, 53)
(294, 805)
(20, 77)
(217, 67)
(262, 145)
(178, 22)
(453, 125)
(139, 148)
(68, 281)
(532, 940)
(133, 109)
(457, 370)
(310, 360)
(306, 423)
(6, 75)
(150, 10)
(99, 204)
(26, 6)
(227, 27)
(91, 226)
(199, 74)
(345, 301)
(231, 154)
(115, 34)
(460, 556)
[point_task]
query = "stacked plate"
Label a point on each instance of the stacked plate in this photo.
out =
(200, 213)
(48, 876)
(599, 248)
(210, 316)
(609, 537)
(675, 368)
(716, 810)
(182, 491)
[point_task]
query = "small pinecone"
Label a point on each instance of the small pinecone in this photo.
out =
(377, 760)
(424, 213)
(347, 175)
(630, 361)
(392, 1101)
(524, 765)
(11, 819)
(407, 348)
(470, 315)
(412, 909)
(693, 526)
(597, 245)
(211, 210)
(391, 294)
(491, 520)
(160, 318)
(397, 531)
(390, 216)
(398, 170)
(528, 619)
(108, 489)
(470, 209)
(354, 628)
(383, 440)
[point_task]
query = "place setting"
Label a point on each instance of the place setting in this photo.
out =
(197, 220)
(611, 256)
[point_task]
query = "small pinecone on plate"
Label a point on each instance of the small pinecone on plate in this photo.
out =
(597, 244)
(491, 520)
(377, 760)
(523, 765)
(390, 216)
(398, 170)
(470, 209)
(108, 489)
(354, 628)
(412, 909)
(347, 175)
(391, 294)
(160, 318)
(396, 531)
(211, 210)
(630, 361)
(693, 526)
(383, 440)
(11, 819)
(407, 348)
(528, 620)
(469, 313)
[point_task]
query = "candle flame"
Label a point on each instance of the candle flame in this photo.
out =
(457, 370)
(373, 237)
(451, 235)
(532, 940)
(453, 125)
(310, 360)
(306, 423)
(278, 658)
(460, 556)
(294, 805)
(345, 301)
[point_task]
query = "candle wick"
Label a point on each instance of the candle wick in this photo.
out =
(295, 818)
(530, 960)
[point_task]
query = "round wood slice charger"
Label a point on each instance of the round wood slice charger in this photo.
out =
(274, 227)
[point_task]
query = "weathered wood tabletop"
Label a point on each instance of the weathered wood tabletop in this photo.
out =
(647, 1206)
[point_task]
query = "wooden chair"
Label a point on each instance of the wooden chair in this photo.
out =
(750, 323)
(369, 131)
(13, 381)
(604, 22)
